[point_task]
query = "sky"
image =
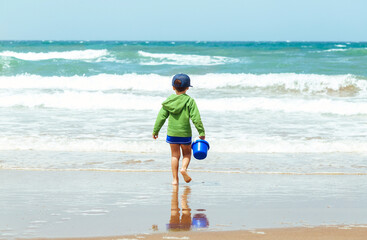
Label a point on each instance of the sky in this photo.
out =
(189, 20)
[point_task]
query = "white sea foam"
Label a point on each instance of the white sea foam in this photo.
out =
(70, 55)
(99, 82)
(267, 144)
(100, 100)
(303, 83)
(82, 100)
(331, 50)
(342, 48)
(183, 59)
(5, 63)
(59, 143)
(319, 106)
(94, 212)
(258, 144)
(335, 50)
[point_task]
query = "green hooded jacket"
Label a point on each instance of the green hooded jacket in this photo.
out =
(179, 109)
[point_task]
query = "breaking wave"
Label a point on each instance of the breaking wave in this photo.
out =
(183, 59)
(100, 100)
(341, 49)
(291, 82)
(70, 55)
(282, 82)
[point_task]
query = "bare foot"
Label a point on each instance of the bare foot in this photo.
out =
(174, 182)
(186, 177)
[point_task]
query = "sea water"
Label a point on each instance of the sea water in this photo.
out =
(267, 107)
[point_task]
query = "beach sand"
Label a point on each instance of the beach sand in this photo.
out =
(89, 204)
(319, 233)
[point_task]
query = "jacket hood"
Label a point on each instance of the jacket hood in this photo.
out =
(175, 103)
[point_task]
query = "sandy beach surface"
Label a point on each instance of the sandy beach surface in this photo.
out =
(320, 233)
(82, 204)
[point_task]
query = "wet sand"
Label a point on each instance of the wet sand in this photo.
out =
(318, 233)
(89, 204)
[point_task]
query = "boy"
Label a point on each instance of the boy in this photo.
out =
(179, 108)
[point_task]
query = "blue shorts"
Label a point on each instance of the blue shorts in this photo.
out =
(179, 140)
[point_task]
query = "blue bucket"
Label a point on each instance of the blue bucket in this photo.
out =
(200, 149)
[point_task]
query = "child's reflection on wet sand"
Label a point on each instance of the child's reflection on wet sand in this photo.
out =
(176, 223)
(184, 222)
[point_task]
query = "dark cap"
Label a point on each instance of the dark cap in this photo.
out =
(185, 80)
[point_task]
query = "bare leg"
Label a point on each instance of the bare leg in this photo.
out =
(175, 153)
(186, 152)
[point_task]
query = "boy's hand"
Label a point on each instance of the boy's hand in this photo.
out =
(202, 137)
(155, 136)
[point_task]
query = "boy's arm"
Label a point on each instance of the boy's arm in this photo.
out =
(195, 118)
(161, 118)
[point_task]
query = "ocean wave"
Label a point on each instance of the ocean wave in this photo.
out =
(5, 63)
(286, 82)
(183, 59)
(248, 145)
(282, 82)
(69, 55)
(340, 49)
(58, 143)
(100, 82)
(100, 100)
(267, 144)
(318, 106)
(335, 50)
(81, 100)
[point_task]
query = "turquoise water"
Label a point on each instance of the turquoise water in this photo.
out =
(167, 58)
(290, 107)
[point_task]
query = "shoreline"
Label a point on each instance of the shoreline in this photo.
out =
(107, 170)
(355, 232)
